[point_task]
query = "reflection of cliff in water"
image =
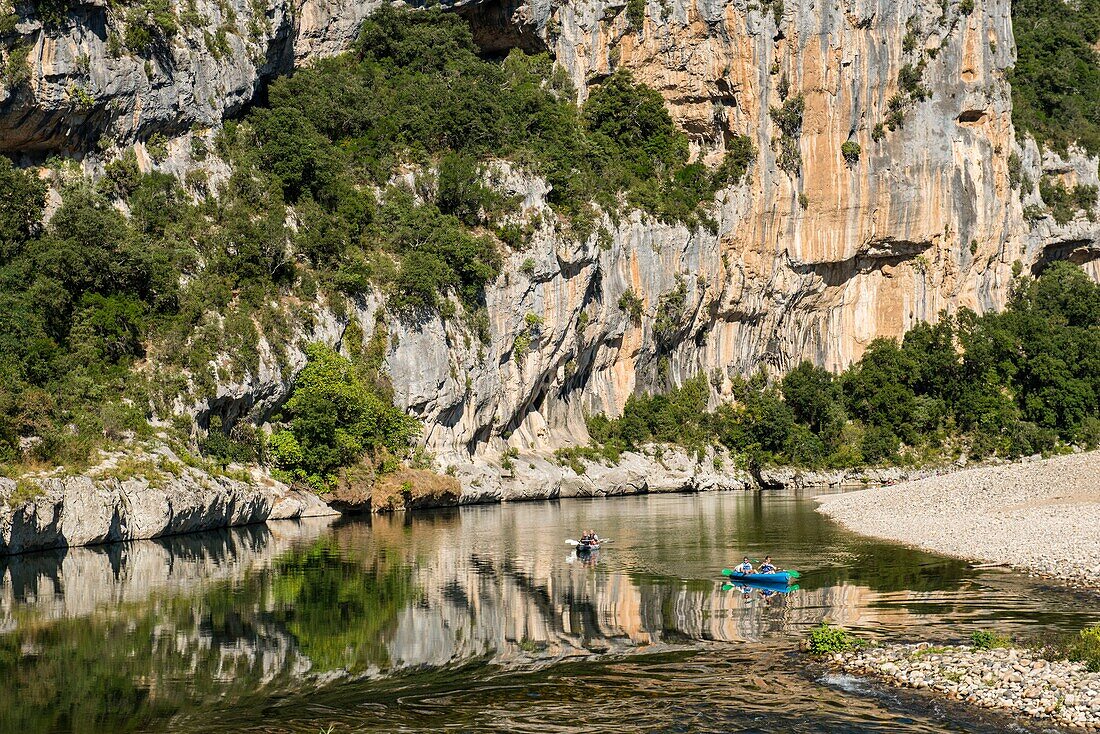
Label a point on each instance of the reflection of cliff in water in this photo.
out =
(77, 581)
(130, 635)
(515, 604)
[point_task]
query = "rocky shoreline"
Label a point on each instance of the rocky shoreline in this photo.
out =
(152, 493)
(1063, 692)
(1040, 516)
(128, 497)
(650, 470)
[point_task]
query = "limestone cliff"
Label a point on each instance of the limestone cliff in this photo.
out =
(98, 73)
(122, 499)
(890, 200)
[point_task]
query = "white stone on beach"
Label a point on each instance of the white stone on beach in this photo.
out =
(987, 678)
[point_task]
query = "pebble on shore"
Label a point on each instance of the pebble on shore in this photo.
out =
(1006, 678)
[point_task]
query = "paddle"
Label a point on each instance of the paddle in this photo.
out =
(575, 543)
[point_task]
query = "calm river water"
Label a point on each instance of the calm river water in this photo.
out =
(481, 619)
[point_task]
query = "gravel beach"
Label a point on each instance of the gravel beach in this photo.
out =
(1039, 516)
(1013, 680)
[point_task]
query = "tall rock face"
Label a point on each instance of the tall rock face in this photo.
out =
(811, 260)
(881, 194)
(98, 74)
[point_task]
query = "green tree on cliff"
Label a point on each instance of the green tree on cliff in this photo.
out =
(335, 417)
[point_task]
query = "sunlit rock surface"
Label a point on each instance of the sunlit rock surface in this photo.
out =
(811, 263)
(88, 510)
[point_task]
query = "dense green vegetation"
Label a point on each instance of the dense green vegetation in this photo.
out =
(1013, 383)
(1085, 648)
(1056, 80)
(416, 88)
(75, 300)
(989, 640)
(194, 273)
(1065, 202)
(826, 639)
(335, 417)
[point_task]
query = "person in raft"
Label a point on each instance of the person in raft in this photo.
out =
(745, 566)
(767, 566)
(590, 537)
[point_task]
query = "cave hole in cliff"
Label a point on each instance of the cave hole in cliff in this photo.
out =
(971, 117)
(230, 410)
(581, 373)
(452, 415)
(837, 274)
(499, 26)
(1078, 252)
(481, 435)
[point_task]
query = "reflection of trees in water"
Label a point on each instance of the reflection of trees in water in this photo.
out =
(340, 611)
(75, 676)
(316, 608)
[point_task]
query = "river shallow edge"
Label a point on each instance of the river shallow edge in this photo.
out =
(1040, 516)
(153, 494)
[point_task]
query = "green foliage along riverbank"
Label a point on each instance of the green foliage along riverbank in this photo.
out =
(1012, 383)
(334, 417)
(142, 292)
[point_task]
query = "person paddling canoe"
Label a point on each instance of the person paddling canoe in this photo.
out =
(745, 567)
(767, 566)
(589, 539)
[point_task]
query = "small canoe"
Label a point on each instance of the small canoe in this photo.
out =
(779, 578)
(587, 548)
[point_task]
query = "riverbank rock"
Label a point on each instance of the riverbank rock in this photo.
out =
(143, 493)
(410, 489)
(1015, 680)
(131, 501)
(540, 476)
(788, 477)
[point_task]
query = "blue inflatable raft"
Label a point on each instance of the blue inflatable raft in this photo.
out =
(779, 578)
